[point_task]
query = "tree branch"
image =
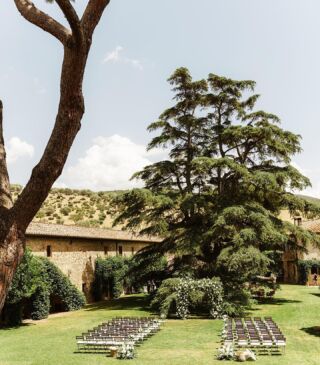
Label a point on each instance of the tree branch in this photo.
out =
(42, 20)
(67, 125)
(92, 15)
(71, 16)
(5, 195)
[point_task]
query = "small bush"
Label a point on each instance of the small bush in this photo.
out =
(40, 303)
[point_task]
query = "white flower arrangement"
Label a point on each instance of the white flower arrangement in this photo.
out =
(212, 289)
(226, 352)
(126, 352)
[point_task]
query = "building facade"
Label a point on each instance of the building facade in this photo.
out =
(291, 257)
(75, 249)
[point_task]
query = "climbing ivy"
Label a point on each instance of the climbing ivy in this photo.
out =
(304, 267)
(110, 276)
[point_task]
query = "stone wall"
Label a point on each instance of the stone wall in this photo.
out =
(76, 257)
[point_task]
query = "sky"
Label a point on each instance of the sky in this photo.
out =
(136, 47)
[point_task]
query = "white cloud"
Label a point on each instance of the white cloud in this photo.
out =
(16, 149)
(109, 164)
(115, 56)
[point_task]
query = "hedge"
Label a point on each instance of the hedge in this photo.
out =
(40, 303)
(60, 285)
(35, 282)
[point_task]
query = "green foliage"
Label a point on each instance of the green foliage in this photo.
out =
(304, 267)
(40, 303)
(65, 210)
(36, 280)
(166, 297)
(110, 275)
(242, 264)
(216, 200)
(13, 313)
(114, 274)
(141, 271)
(315, 201)
(59, 285)
(26, 280)
(182, 296)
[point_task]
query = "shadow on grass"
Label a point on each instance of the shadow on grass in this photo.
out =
(316, 294)
(107, 354)
(276, 301)
(314, 331)
(271, 301)
(132, 302)
(8, 328)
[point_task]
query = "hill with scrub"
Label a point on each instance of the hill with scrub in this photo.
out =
(310, 199)
(74, 207)
(84, 207)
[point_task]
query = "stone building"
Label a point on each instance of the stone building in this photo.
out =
(291, 257)
(74, 249)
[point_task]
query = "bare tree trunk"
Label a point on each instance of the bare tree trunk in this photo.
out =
(15, 218)
(11, 252)
(11, 245)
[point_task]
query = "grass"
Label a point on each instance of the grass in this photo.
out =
(194, 341)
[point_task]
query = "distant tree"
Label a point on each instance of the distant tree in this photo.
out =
(76, 42)
(217, 198)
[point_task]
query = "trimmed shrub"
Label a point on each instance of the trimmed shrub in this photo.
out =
(36, 280)
(40, 303)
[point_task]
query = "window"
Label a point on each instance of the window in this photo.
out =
(120, 250)
(297, 221)
(106, 250)
(132, 250)
(84, 287)
(49, 252)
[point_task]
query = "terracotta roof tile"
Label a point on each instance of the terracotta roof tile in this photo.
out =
(59, 230)
(313, 226)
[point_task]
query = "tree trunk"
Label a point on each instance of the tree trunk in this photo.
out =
(11, 252)
(15, 218)
(71, 109)
(70, 112)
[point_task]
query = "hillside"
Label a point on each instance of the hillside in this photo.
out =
(310, 199)
(70, 206)
(84, 207)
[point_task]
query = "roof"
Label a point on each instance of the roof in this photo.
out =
(59, 230)
(313, 226)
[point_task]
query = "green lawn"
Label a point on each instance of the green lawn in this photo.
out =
(51, 342)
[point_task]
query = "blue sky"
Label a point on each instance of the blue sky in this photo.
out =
(137, 45)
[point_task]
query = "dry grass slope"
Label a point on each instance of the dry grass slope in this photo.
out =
(70, 206)
(83, 207)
